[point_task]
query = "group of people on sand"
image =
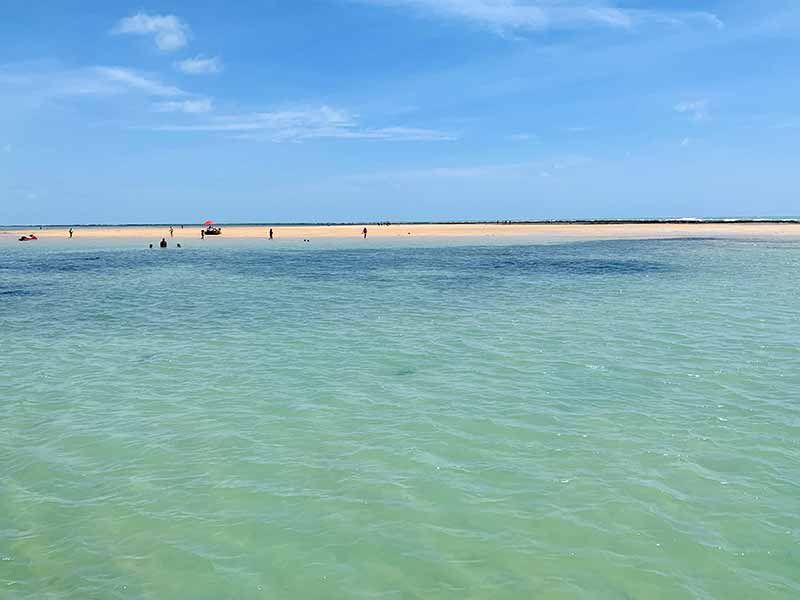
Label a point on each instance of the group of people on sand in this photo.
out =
(33, 237)
(163, 242)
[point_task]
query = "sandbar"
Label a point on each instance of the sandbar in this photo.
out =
(625, 230)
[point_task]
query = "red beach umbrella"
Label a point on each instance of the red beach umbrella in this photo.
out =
(208, 223)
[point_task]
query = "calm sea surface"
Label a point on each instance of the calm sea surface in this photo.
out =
(611, 419)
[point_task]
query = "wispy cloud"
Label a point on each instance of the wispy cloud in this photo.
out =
(517, 15)
(192, 107)
(47, 80)
(791, 125)
(523, 137)
(132, 79)
(696, 109)
(296, 125)
(200, 65)
(541, 168)
(7, 148)
(168, 31)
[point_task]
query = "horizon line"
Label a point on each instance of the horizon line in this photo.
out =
(604, 221)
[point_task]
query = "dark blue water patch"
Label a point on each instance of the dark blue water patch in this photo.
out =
(577, 266)
(443, 265)
(372, 265)
(87, 262)
(640, 247)
(16, 293)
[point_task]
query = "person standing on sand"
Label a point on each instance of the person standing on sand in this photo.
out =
(270, 233)
(365, 233)
(202, 234)
(171, 231)
(70, 233)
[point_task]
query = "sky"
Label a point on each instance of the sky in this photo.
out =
(365, 110)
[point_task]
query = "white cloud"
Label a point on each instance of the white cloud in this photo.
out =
(405, 134)
(7, 148)
(514, 15)
(200, 65)
(685, 142)
(200, 106)
(696, 109)
(39, 82)
(523, 137)
(295, 125)
(132, 79)
(168, 31)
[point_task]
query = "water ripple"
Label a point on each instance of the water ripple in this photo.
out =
(599, 419)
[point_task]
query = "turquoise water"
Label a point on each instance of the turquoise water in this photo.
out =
(611, 419)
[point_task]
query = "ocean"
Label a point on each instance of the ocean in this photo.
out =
(395, 419)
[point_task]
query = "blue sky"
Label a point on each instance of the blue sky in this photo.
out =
(340, 110)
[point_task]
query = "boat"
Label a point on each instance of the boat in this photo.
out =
(28, 238)
(211, 229)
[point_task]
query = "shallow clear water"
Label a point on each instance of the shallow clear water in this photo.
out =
(615, 419)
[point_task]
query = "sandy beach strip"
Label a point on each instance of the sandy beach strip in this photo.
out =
(435, 230)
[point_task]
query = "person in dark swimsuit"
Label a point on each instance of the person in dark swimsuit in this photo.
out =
(163, 243)
(365, 233)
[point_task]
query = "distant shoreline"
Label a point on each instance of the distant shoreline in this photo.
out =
(647, 221)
